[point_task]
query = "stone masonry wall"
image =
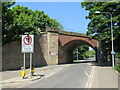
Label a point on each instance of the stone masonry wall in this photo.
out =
(12, 58)
(52, 39)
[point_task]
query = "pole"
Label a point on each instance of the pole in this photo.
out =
(30, 64)
(77, 53)
(112, 41)
(24, 59)
(88, 51)
(112, 52)
(100, 48)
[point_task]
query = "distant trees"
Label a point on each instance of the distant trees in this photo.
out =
(19, 19)
(99, 24)
(83, 52)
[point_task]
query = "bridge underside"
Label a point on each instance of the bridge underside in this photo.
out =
(66, 52)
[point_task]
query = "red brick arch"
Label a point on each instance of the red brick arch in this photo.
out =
(67, 43)
(64, 39)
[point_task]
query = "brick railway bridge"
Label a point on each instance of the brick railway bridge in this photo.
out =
(57, 46)
(51, 47)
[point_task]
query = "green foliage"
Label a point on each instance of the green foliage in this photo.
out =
(89, 54)
(117, 55)
(99, 24)
(82, 52)
(117, 67)
(81, 49)
(117, 61)
(7, 20)
(19, 19)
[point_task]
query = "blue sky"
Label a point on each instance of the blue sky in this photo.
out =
(70, 14)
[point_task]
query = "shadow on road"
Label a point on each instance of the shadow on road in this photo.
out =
(93, 62)
(87, 61)
(39, 75)
(103, 64)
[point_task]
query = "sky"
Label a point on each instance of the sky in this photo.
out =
(70, 14)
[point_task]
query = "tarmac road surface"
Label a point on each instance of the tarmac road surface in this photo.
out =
(72, 76)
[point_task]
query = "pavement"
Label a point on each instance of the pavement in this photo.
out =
(13, 79)
(103, 76)
(16, 73)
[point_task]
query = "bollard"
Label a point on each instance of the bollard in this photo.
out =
(32, 71)
(23, 72)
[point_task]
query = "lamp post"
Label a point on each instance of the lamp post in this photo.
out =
(77, 53)
(112, 52)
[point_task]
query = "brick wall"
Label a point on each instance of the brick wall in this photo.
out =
(12, 58)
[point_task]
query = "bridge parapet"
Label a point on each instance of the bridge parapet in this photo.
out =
(61, 32)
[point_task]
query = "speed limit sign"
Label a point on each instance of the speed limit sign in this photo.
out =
(27, 43)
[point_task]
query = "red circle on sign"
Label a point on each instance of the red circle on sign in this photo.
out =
(27, 43)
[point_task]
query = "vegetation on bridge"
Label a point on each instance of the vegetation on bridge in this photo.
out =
(99, 25)
(17, 20)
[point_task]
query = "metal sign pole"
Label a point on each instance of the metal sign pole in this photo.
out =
(30, 64)
(28, 47)
(24, 59)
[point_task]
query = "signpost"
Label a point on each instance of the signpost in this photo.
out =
(27, 43)
(113, 52)
(28, 47)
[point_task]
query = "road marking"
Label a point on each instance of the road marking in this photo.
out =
(59, 69)
(53, 73)
(87, 74)
(8, 84)
(92, 77)
(50, 75)
(88, 85)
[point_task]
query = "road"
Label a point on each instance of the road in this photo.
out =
(71, 76)
(76, 75)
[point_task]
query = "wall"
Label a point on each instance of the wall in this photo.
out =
(52, 39)
(12, 58)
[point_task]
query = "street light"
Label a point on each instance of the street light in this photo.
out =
(112, 52)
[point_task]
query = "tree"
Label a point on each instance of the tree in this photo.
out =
(81, 50)
(99, 24)
(7, 20)
(21, 19)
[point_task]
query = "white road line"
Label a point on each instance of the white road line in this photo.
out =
(89, 79)
(87, 74)
(50, 75)
(88, 85)
(92, 77)
(59, 69)
(6, 84)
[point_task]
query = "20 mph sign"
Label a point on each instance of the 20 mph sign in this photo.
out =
(27, 43)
